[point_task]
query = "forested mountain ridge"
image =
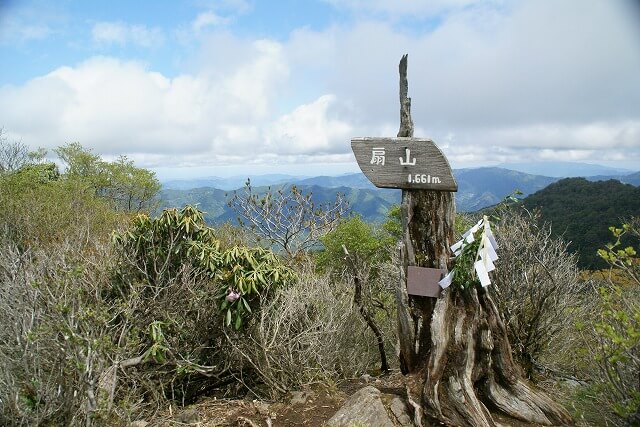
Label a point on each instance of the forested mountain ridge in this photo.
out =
(212, 201)
(579, 210)
(477, 188)
(372, 205)
(582, 211)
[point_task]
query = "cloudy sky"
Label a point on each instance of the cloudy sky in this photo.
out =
(224, 87)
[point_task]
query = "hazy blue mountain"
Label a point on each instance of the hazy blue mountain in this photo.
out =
(478, 188)
(353, 180)
(230, 183)
(565, 169)
(358, 180)
(212, 201)
(371, 204)
(633, 178)
(482, 187)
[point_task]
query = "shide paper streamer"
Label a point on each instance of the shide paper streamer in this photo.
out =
(484, 258)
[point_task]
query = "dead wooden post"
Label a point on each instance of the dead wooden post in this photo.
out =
(454, 347)
(419, 168)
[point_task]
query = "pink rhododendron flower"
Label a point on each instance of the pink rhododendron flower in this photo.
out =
(232, 296)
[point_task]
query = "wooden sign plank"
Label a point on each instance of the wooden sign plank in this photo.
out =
(424, 281)
(409, 163)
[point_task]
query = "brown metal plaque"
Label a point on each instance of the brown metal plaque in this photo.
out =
(409, 163)
(424, 281)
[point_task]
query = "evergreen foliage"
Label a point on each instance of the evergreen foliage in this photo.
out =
(618, 325)
(581, 211)
(155, 250)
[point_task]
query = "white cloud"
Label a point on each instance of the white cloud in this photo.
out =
(117, 107)
(309, 129)
(22, 28)
(506, 82)
(529, 80)
(217, 13)
(208, 18)
(121, 33)
(593, 141)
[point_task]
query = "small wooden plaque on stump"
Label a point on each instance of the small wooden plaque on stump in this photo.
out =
(424, 281)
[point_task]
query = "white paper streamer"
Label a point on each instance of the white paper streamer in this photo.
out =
(488, 246)
(473, 229)
(489, 234)
(482, 273)
(469, 238)
(485, 256)
(456, 247)
(488, 264)
(446, 280)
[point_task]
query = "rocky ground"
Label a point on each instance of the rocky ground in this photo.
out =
(365, 401)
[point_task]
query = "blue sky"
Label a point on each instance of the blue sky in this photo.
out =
(224, 87)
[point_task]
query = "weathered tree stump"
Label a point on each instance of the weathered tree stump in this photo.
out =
(455, 347)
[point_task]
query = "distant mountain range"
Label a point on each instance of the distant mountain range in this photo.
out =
(230, 183)
(371, 204)
(565, 169)
(580, 210)
(482, 187)
(477, 188)
(633, 178)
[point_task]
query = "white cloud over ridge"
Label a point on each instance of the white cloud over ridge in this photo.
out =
(534, 80)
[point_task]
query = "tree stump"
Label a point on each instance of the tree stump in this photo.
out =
(455, 348)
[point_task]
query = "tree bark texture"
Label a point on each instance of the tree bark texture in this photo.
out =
(455, 348)
(471, 368)
(406, 124)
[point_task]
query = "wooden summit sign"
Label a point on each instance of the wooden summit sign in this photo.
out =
(408, 163)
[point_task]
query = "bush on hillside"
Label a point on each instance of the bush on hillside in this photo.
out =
(538, 291)
(611, 336)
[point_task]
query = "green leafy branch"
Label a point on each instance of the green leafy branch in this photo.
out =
(464, 274)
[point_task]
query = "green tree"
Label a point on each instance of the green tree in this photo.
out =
(618, 325)
(13, 154)
(80, 162)
(129, 187)
(126, 186)
(362, 240)
(356, 250)
(393, 223)
(37, 209)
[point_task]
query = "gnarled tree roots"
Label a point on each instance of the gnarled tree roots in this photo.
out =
(471, 371)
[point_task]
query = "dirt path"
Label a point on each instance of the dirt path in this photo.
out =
(312, 407)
